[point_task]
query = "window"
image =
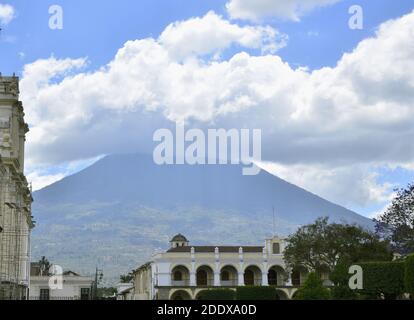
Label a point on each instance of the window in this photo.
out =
(85, 293)
(44, 294)
(276, 248)
(178, 276)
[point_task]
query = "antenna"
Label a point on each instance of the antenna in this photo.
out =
(274, 222)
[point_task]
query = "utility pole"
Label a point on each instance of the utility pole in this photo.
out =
(98, 278)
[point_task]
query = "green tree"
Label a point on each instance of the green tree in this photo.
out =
(44, 265)
(126, 278)
(106, 293)
(312, 289)
(321, 245)
(397, 222)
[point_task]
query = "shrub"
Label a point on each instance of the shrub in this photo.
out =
(256, 293)
(217, 294)
(312, 289)
(409, 275)
(383, 279)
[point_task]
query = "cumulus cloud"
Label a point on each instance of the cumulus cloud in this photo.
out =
(334, 181)
(41, 177)
(7, 14)
(285, 9)
(40, 180)
(339, 123)
(212, 33)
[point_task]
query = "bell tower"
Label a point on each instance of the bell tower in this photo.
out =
(13, 129)
(275, 245)
(16, 221)
(179, 241)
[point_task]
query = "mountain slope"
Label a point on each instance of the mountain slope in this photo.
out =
(119, 210)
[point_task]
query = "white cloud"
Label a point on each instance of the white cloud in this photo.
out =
(335, 182)
(337, 123)
(7, 14)
(212, 33)
(41, 180)
(40, 177)
(285, 9)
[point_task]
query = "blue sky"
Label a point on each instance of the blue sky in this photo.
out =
(96, 30)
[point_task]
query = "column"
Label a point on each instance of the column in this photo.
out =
(265, 281)
(289, 279)
(216, 279)
(217, 267)
(193, 280)
(241, 278)
(241, 266)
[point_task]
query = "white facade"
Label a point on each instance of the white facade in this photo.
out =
(125, 291)
(183, 271)
(73, 287)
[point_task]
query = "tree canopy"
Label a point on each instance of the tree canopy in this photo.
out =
(44, 265)
(322, 245)
(397, 223)
(126, 278)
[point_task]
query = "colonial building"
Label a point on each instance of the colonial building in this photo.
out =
(125, 291)
(67, 285)
(15, 196)
(184, 271)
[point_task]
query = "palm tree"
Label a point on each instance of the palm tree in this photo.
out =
(44, 266)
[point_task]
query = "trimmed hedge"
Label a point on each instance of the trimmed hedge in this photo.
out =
(256, 293)
(383, 279)
(340, 278)
(409, 275)
(217, 294)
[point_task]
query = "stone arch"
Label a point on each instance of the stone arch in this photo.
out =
(180, 295)
(276, 275)
(229, 276)
(294, 294)
(324, 272)
(282, 295)
(199, 294)
(299, 275)
(180, 276)
(204, 276)
(252, 275)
